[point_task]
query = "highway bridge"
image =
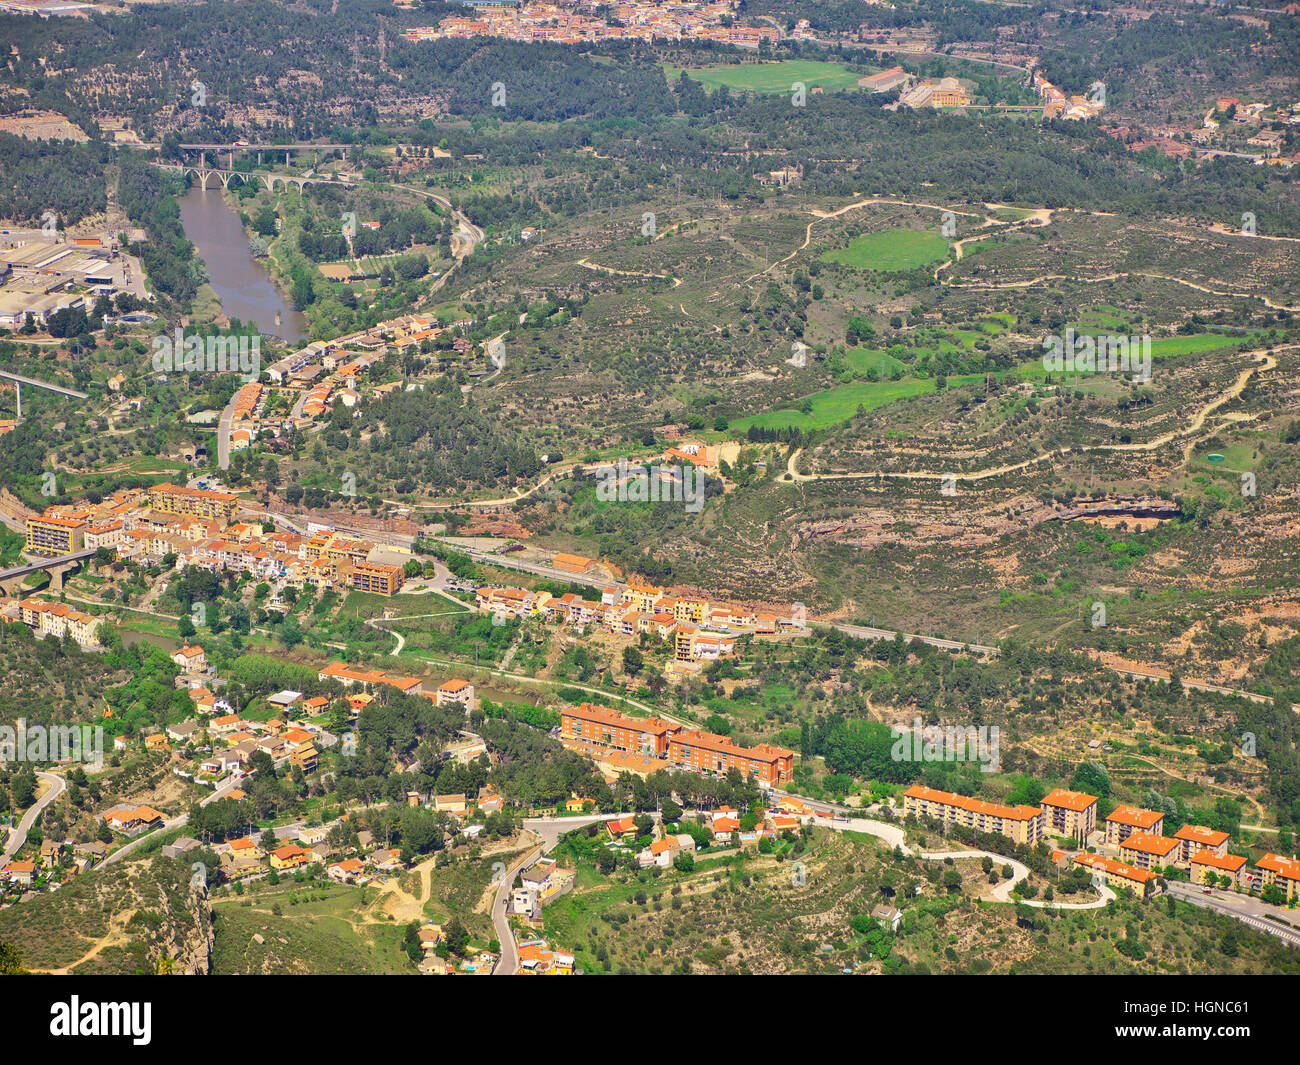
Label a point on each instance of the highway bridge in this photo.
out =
(11, 580)
(19, 380)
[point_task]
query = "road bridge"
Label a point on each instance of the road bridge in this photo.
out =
(11, 580)
(19, 380)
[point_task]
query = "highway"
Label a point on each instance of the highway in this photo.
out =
(1245, 908)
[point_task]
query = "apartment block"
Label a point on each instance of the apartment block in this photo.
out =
(609, 728)
(709, 753)
(376, 578)
(1148, 851)
(1283, 872)
(1125, 820)
(59, 619)
(1206, 867)
(1118, 874)
(55, 536)
(196, 502)
(1071, 814)
(1197, 838)
(1021, 824)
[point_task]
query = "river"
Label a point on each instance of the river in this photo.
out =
(240, 281)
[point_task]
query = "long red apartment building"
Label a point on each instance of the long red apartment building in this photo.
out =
(703, 752)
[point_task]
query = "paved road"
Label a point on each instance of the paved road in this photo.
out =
(550, 829)
(54, 787)
(508, 960)
(1245, 908)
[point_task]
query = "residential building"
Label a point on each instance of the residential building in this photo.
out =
(191, 658)
(1020, 824)
(196, 502)
(455, 691)
(52, 537)
(709, 753)
(290, 856)
(1071, 814)
(132, 820)
(1123, 821)
(609, 728)
(1207, 867)
(1197, 838)
(1281, 872)
(376, 578)
(1118, 874)
(1149, 851)
(59, 619)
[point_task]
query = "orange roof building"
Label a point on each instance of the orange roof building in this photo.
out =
(1123, 821)
(608, 728)
(1072, 814)
(1022, 824)
(1148, 851)
(1118, 874)
(1197, 838)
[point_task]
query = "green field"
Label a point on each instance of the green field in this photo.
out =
(837, 405)
(894, 250)
(771, 77)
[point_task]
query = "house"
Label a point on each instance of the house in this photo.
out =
(183, 732)
(888, 916)
(537, 959)
(22, 874)
(524, 901)
(451, 804)
(546, 878)
(345, 872)
(179, 847)
(309, 837)
(191, 658)
(244, 849)
(225, 724)
(290, 856)
(387, 861)
(51, 851)
(623, 826)
(306, 758)
(132, 820)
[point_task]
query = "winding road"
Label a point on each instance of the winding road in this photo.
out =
(54, 787)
